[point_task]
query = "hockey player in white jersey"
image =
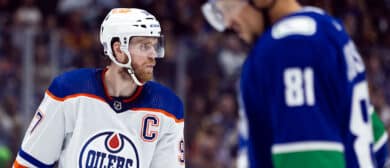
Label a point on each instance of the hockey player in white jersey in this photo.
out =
(111, 117)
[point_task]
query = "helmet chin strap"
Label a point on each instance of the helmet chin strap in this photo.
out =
(135, 79)
(130, 69)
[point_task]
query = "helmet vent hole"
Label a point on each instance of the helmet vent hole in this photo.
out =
(143, 26)
(139, 20)
(149, 18)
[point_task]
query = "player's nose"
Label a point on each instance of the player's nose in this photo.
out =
(152, 54)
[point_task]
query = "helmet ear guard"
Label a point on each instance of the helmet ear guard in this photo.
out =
(125, 23)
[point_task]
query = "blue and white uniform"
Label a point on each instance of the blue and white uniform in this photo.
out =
(79, 125)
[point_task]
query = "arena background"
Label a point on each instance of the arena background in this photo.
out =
(40, 39)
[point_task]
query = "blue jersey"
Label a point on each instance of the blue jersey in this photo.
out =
(305, 96)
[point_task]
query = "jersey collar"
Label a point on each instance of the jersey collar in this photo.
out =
(129, 99)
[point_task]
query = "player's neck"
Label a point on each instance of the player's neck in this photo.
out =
(118, 82)
(283, 8)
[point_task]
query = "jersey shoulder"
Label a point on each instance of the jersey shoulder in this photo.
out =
(159, 96)
(308, 23)
(307, 38)
(305, 32)
(80, 81)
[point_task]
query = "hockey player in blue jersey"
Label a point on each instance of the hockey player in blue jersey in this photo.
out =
(303, 87)
(112, 117)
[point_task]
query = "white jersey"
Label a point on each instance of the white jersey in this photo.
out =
(78, 125)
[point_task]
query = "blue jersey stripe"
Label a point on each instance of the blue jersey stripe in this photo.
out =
(33, 161)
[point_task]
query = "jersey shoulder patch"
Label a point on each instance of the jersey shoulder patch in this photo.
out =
(294, 25)
(313, 9)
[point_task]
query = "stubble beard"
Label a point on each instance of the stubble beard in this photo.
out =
(142, 74)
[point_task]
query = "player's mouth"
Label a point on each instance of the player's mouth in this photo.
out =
(150, 66)
(235, 27)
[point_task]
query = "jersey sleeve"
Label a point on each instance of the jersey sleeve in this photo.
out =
(43, 139)
(380, 140)
(169, 151)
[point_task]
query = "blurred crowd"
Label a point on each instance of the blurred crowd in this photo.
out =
(203, 66)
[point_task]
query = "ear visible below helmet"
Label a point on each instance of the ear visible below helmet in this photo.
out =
(125, 23)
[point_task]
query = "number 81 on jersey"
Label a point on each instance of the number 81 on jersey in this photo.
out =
(299, 86)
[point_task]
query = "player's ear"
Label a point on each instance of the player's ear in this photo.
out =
(116, 48)
(118, 53)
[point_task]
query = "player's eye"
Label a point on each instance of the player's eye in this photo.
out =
(145, 47)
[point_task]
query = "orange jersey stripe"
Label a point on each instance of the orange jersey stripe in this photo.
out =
(101, 99)
(159, 111)
(74, 96)
(18, 165)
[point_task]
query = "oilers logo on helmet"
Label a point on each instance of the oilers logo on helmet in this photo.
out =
(109, 149)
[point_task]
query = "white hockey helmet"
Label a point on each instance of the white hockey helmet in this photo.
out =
(125, 23)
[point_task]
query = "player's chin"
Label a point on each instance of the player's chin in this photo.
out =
(146, 76)
(246, 38)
